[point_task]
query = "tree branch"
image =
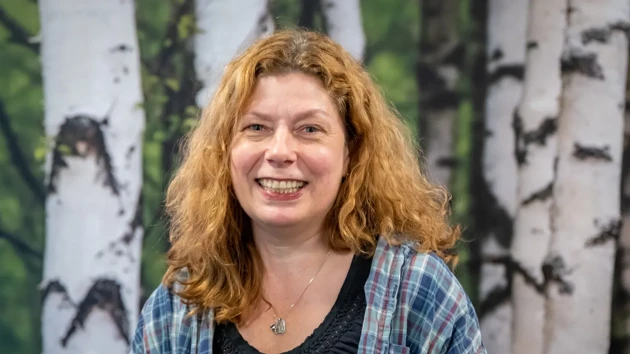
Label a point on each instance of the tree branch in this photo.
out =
(20, 245)
(17, 156)
(17, 33)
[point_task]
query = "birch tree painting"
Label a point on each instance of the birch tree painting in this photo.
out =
(225, 28)
(94, 121)
(441, 51)
(587, 188)
(535, 125)
(506, 29)
(344, 25)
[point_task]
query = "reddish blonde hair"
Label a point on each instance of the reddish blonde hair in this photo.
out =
(385, 192)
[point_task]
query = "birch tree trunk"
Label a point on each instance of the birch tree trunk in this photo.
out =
(441, 53)
(227, 27)
(344, 25)
(91, 75)
(587, 189)
(506, 31)
(535, 125)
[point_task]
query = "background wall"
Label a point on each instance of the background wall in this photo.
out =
(454, 70)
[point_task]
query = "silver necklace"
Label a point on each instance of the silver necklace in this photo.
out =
(279, 325)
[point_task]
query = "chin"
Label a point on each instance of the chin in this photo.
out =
(277, 217)
(278, 220)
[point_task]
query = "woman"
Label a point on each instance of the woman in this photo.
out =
(301, 221)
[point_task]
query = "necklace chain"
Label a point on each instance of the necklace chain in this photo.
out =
(279, 325)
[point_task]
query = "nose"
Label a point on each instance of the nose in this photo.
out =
(281, 150)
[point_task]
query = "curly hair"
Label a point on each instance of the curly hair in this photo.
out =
(385, 193)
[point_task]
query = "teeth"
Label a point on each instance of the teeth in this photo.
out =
(281, 186)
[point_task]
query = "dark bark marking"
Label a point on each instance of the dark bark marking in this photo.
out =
(122, 48)
(608, 232)
(590, 152)
(520, 150)
(447, 162)
(82, 136)
(104, 294)
(548, 127)
(602, 34)
(125, 70)
(55, 286)
(499, 222)
(623, 27)
(455, 56)
(554, 268)
(135, 223)
(515, 71)
(498, 296)
(541, 195)
(496, 54)
(582, 63)
(442, 100)
(428, 78)
(118, 247)
(130, 151)
(436, 94)
(263, 22)
(532, 45)
(539, 136)
(116, 80)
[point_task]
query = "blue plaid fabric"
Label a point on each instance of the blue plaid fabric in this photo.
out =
(414, 305)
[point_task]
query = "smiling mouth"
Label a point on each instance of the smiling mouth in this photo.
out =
(281, 187)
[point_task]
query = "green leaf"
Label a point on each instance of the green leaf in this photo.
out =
(185, 26)
(64, 149)
(173, 84)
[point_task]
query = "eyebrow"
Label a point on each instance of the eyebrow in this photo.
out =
(299, 116)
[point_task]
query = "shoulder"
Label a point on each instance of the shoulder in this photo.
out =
(162, 315)
(432, 302)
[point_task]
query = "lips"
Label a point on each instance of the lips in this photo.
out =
(281, 186)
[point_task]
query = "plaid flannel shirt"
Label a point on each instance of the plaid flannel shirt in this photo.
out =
(414, 305)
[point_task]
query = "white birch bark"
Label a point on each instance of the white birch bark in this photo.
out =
(506, 36)
(535, 126)
(344, 25)
(227, 27)
(438, 77)
(587, 189)
(93, 114)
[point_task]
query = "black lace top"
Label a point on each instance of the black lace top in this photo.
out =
(339, 333)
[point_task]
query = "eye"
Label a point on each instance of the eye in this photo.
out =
(255, 127)
(311, 129)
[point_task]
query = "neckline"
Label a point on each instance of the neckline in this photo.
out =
(235, 336)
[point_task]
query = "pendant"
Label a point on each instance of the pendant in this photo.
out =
(279, 327)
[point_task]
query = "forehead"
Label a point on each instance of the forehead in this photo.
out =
(290, 92)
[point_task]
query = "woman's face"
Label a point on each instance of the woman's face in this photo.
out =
(289, 152)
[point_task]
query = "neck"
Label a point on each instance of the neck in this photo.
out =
(289, 251)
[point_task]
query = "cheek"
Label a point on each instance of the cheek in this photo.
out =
(242, 161)
(326, 162)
